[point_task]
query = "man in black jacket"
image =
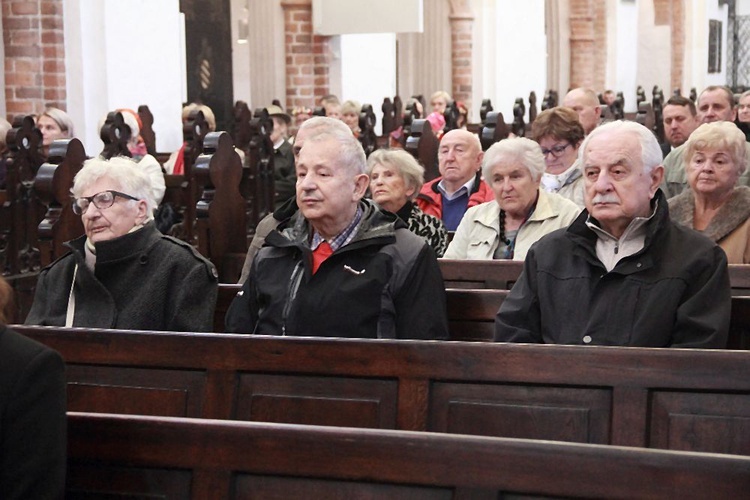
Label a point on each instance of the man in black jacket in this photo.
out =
(340, 266)
(623, 273)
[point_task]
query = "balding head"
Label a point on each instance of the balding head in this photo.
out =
(459, 157)
(586, 104)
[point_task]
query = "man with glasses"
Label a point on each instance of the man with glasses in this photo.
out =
(123, 273)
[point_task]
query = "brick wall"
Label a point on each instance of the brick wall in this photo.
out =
(34, 55)
(307, 56)
(671, 13)
(461, 45)
(588, 44)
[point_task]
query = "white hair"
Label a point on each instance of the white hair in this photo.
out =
(651, 154)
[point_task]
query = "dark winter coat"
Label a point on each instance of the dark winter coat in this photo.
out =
(673, 293)
(385, 283)
(142, 281)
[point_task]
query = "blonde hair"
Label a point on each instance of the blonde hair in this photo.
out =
(208, 114)
(718, 135)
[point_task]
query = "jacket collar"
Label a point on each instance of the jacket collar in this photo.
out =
(375, 224)
(542, 211)
(126, 246)
(655, 227)
(731, 215)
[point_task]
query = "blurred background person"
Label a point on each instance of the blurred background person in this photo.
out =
(439, 101)
(715, 205)
(5, 126)
(332, 106)
(300, 115)
(54, 124)
(395, 181)
(584, 102)
(680, 118)
(350, 115)
(122, 273)
(285, 177)
(176, 162)
(521, 212)
(559, 134)
(743, 114)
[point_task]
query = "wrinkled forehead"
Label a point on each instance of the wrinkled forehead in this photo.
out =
(459, 138)
(612, 147)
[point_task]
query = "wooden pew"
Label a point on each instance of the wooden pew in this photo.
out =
(679, 399)
(494, 129)
(502, 274)
(423, 145)
(220, 212)
(125, 456)
(21, 212)
(497, 274)
(471, 313)
(52, 185)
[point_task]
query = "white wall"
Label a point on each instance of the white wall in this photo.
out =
(742, 8)
(368, 70)
(121, 55)
(654, 45)
(518, 56)
(625, 59)
(698, 13)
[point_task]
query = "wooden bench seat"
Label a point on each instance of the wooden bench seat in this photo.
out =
(681, 399)
(502, 274)
(125, 456)
(471, 314)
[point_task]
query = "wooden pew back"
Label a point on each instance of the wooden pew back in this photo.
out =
(126, 456)
(679, 399)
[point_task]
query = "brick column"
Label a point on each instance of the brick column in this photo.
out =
(34, 55)
(307, 55)
(588, 44)
(461, 21)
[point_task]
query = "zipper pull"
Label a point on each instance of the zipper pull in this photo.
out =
(617, 246)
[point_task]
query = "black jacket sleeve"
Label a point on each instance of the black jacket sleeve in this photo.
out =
(420, 304)
(519, 317)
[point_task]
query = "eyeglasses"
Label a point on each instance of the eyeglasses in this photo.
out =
(102, 200)
(556, 151)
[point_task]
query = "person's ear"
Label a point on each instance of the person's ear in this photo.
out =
(657, 175)
(361, 183)
(142, 214)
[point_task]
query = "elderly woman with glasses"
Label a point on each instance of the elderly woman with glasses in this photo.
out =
(521, 212)
(123, 273)
(715, 205)
(559, 133)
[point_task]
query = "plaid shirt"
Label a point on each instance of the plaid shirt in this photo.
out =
(343, 238)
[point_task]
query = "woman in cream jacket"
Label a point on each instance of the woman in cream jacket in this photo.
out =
(521, 213)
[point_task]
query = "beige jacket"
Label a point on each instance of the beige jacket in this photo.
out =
(730, 227)
(477, 236)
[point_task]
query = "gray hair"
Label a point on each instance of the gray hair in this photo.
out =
(719, 135)
(62, 119)
(518, 149)
(350, 150)
(651, 154)
(409, 169)
(126, 174)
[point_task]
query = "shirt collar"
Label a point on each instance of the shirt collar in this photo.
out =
(465, 189)
(343, 238)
